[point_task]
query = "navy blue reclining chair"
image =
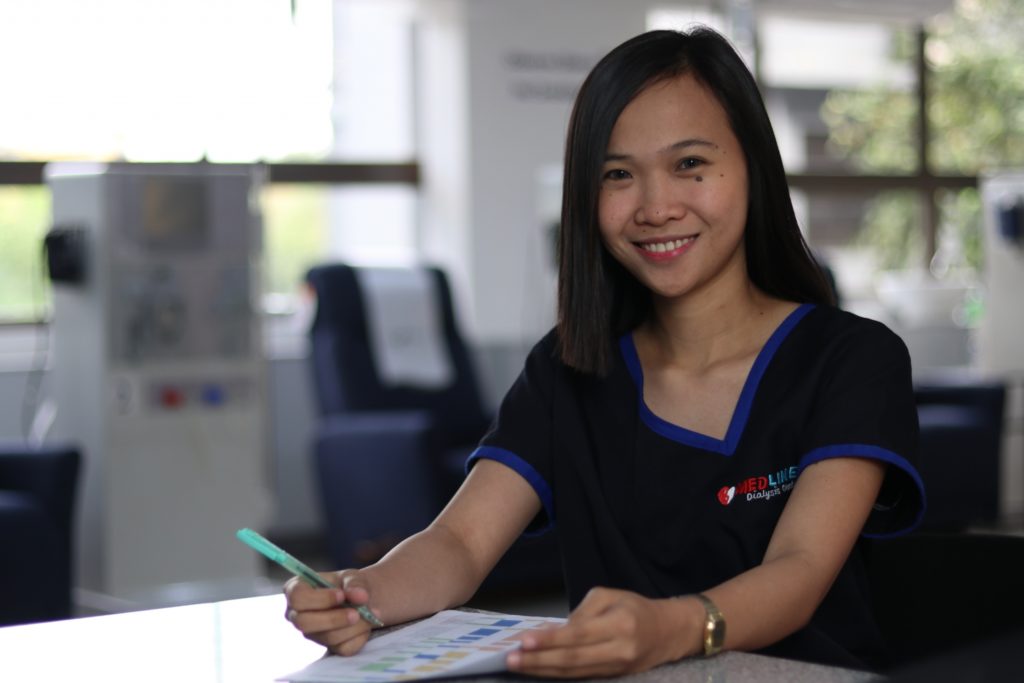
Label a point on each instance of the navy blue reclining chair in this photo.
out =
(961, 438)
(37, 494)
(387, 458)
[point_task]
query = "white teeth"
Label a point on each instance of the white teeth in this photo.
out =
(661, 247)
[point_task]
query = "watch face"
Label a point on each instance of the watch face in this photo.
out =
(714, 627)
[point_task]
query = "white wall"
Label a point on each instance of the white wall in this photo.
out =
(496, 87)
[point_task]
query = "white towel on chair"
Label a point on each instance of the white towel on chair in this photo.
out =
(405, 327)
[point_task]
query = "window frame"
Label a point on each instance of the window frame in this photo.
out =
(922, 180)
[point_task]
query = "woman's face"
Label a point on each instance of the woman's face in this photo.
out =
(672, 206)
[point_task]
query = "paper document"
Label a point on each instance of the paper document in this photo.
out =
(450, 643)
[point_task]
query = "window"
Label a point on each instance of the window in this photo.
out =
(24, 213)
(806, 65)
(884, 126)
(856, 136)
(307, 223)
(146, 81)
(320, 90)
(811, 86)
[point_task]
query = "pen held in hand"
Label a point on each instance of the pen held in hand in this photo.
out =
(276, 554)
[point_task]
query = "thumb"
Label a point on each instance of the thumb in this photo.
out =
(597, 601)
(353, 583)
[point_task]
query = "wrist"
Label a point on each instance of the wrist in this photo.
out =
(713, 631)
(687, 627)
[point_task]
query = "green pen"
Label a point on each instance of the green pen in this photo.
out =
(272, 552)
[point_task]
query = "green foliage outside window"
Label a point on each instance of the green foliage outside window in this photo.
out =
(24, 218)
(295, 233)
(976, 116)
(888, 230)
(294, 237)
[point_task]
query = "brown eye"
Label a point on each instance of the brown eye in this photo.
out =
(616, 174)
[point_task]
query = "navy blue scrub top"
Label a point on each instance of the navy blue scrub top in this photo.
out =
(645, 505)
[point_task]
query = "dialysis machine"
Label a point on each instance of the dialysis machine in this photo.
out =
(999, 349)
(1002, 195)
(159, 376)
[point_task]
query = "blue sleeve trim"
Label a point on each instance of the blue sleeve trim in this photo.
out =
(527, 472)
(873, 453)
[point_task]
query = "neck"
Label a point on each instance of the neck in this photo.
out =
(700, 331)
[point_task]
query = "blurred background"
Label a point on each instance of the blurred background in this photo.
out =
(401, 133)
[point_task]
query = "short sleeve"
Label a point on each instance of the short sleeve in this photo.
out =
(865, 408)
(521, 435)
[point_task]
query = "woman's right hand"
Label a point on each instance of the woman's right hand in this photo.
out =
(323, 614)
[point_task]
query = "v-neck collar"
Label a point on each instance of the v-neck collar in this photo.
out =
(726, 446)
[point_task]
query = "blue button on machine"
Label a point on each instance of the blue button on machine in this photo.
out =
(213, 395)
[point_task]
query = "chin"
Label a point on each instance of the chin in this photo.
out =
(663, 291)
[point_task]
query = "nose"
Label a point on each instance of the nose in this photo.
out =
(660, 202)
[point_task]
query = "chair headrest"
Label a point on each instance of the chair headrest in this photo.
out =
(404, 326)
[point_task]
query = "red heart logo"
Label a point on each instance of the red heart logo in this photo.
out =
(725, 494)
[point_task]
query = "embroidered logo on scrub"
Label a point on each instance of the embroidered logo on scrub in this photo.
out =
(761, 488)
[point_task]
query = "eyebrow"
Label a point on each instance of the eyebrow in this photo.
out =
(674, 147)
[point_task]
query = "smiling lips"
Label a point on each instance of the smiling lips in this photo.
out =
(666, 249)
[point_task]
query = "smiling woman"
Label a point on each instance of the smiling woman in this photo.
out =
(654, 206)
(710, 436)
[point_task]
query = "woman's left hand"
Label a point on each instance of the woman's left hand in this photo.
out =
(611, 632)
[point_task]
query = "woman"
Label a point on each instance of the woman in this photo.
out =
(709, 435)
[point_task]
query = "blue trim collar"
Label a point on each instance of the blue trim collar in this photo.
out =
(726, 446)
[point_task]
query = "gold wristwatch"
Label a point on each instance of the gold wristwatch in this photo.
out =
(714, 626)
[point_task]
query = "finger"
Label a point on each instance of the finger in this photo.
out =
(355, 588)
(549, 637)
(322, 621)
(357, 595)
(301, 596)
(347, 642)
(579, 630)
(602, 658)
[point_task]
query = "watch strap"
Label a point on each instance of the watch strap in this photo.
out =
(714, 626)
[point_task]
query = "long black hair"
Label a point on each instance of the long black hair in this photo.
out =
(598, 299)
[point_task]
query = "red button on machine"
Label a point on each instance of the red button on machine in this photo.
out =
(172, 397)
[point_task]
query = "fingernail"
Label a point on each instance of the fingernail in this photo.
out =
(512, 661)
(529, 643)
(339, 597)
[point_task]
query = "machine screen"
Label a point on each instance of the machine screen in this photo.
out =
(174, 213)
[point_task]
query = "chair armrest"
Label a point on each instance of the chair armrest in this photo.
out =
(960, 465)
(394, 434)
(403, 424)
(988, 399)
(48, 473)
(378, 479)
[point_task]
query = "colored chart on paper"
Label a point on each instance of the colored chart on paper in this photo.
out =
(450, 643)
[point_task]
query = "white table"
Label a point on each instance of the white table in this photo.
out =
(249, 641)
